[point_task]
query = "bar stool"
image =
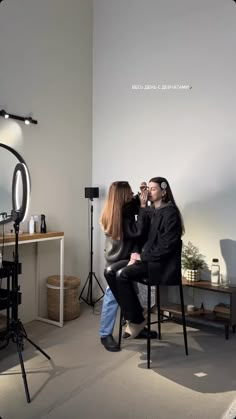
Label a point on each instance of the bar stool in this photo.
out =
(145, 282)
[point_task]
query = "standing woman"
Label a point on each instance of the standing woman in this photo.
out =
(124, 235)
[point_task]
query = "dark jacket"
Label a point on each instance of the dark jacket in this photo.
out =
(162, 251)
(134, 234)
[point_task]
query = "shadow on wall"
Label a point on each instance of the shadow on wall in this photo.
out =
(209, 220)
(228, 251)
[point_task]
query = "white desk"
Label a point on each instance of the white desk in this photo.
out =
(25, 238)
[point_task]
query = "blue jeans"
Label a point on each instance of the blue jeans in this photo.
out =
(108, 315)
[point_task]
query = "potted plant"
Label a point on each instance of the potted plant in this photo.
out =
(192, 261)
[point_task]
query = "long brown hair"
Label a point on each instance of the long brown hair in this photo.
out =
(164, 185)
(111, 218)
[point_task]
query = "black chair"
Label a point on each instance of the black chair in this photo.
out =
(159, 318)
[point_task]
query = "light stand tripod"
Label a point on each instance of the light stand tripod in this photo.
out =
(16, 331)
(89, 282)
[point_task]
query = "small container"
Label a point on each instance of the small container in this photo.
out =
(224, 281)
(31, 225)
(43, 228)
(37, 221)
(215, 273)
(202, 309)
(191, 307)
(0, 259)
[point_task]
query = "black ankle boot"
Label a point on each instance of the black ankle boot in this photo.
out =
(143, 334)
(110, 344)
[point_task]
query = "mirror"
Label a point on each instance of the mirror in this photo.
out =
(14, 184)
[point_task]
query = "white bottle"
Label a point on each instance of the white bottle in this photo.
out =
(31, 225)
(215, 272)
(0, 259)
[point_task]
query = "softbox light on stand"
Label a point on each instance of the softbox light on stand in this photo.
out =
(91, 193)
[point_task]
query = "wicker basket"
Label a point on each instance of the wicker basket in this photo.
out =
(71, 297)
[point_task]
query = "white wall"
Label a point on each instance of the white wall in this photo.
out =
(46, 69)
(186, 135)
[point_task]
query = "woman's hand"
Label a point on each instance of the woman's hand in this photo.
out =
(131, 262)
(134, 257)
(143, 196)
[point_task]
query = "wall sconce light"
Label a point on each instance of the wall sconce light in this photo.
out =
(26, 119)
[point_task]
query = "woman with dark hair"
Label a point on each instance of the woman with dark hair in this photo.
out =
(160, 259)
(123, 236)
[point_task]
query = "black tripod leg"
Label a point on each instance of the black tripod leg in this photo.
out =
(37, 347)
(19, 346)
(80, 296)
(25, 336)
(91, 297)
(90, 292)
(99, 284)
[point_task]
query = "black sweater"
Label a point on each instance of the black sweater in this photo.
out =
(165, 233)
(162, 251)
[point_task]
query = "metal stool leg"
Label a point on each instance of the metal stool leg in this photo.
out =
(158, 310)
(120, 328)
(183, 318)
(148, 325)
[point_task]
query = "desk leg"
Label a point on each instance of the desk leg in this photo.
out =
(37, 285)
(61, 281)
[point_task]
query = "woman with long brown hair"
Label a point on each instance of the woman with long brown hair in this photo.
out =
(124, 235)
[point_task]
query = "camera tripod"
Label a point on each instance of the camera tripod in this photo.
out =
(89, 281)
(16, 331)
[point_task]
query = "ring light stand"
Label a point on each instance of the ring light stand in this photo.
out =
(16, 331)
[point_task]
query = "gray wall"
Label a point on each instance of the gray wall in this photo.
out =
(186, 135)
(46, 69)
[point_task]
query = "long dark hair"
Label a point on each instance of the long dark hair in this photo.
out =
(168, 197)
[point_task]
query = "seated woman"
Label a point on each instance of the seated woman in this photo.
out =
(159, 260)
(124, 235)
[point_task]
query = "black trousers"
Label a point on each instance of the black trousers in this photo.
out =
(121, 283)
(111, 271)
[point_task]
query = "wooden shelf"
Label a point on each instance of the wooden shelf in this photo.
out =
(206, 285)
(226, 316)
(26, 237)
(207, 315)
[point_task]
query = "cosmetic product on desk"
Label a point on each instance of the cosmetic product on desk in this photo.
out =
(215, 272)
(202, 309)
(43, 228)
(31, 225)
(37, 223)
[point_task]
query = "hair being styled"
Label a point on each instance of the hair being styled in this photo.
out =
(111, 218)
(168, 197)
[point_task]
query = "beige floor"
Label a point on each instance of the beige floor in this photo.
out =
(82, 380)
